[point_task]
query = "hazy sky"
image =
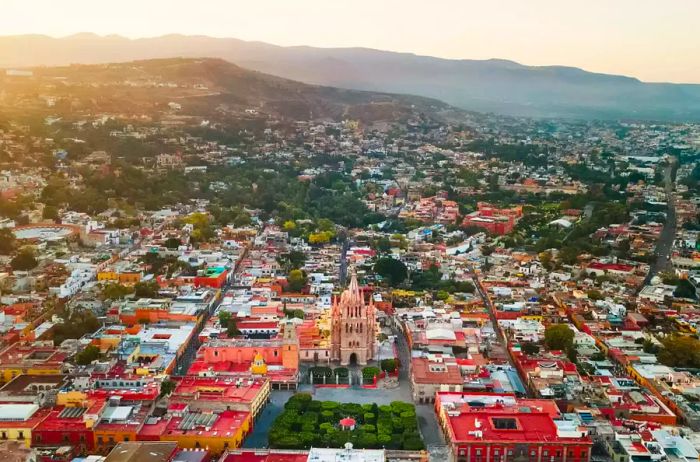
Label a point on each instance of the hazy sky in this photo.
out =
(655, 40)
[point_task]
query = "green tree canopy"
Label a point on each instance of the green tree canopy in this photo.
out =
(680, 351)
(685, 289)
(172, 243)
(529, 348)
(148, 289)
(88, 355)
(296, 280)
(391, 269)
(24, 261)
(559, 337)
(7, 241)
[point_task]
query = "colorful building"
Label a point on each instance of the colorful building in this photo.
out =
(215, 432)
(276, 359)
(495, 220)
(498, 427)
(213, 276)
(66, 426)
(37, 358)
(222, 393)
(17, 421)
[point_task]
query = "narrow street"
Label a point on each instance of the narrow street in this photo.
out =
(664, 245)
(185, 360)
(494, 321)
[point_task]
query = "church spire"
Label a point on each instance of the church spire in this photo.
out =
(354, 288)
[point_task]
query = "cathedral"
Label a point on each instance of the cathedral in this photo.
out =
(353, 336)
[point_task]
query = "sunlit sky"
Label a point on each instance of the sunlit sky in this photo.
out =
(654, 40)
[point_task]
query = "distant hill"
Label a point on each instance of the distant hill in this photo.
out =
(491, 85)
(206, 87)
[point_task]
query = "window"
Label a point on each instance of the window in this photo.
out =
(275, 353)
(20, 435)
(504, 423)
(545, 452)
(37, 438)
(4, 435)
(478, 452)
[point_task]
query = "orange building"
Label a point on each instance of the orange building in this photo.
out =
(276, 359)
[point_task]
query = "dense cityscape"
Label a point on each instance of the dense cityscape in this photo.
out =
(199, 270)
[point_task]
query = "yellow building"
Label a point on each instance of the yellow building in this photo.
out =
(216, 432)
(18, 420)
(127, 277)
(36, 358)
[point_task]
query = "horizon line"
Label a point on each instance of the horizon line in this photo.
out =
(180, 34)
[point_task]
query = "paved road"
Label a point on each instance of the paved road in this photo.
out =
(185, 361)
(258, 437)
(665, 243)
(492, 315)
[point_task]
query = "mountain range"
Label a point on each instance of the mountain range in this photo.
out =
(209, 88)
(494, 85)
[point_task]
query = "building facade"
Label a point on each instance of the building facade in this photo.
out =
(353, 327)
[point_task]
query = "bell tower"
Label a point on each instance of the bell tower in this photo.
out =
(353, 322)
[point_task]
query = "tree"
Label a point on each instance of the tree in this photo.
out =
(391, 269)
(115, 291)
(232, 328)
(172, 243)
(529, 348)
(87, 356)
(388, 365)
(228, 322)
(78, 323)
(167, 387)
(146, 289)
(382, 245)
(293, 260)
(558, 337)
(546, 260)
(50, 212)
(7, 241)
(442, 295)
(24, 261)
(296, 280)
(224, 317)
(322, 237)
(595, 294)
(685, 289)
(680, 351)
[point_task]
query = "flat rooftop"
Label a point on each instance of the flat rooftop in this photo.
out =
(138, 451)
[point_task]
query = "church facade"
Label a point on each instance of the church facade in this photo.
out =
(353, 327)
